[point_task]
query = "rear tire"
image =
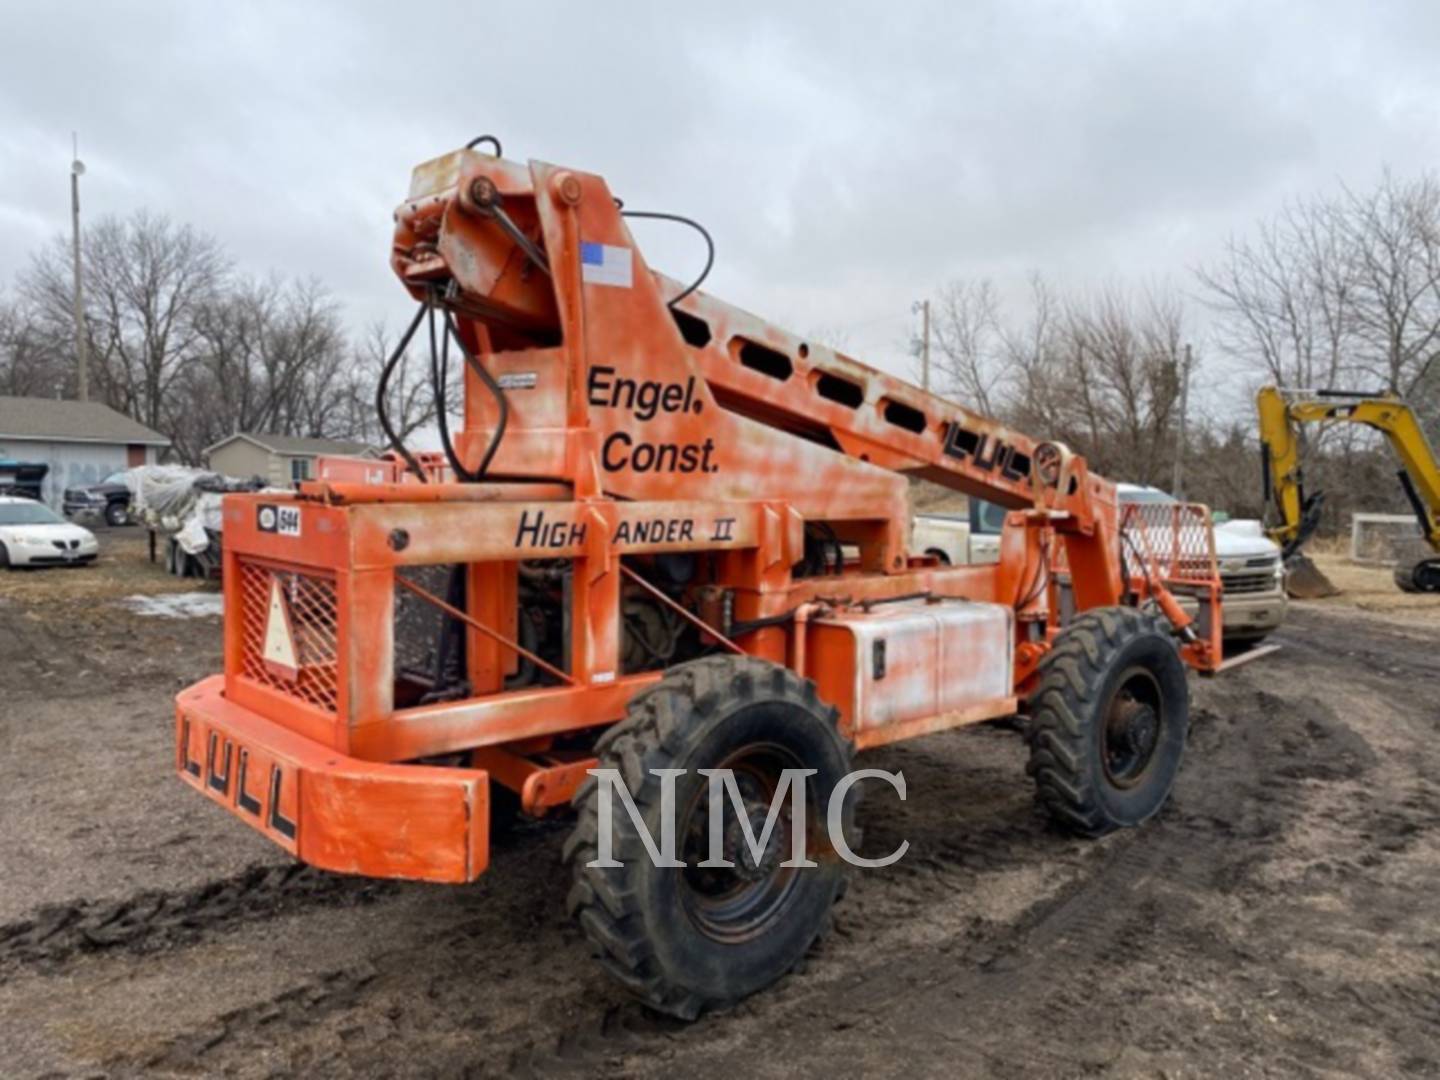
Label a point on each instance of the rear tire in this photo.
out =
(117, 514)
(1108, 722)
(4, 557)
(687, 939)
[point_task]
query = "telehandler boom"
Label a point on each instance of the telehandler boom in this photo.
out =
(1282, 414)
(667, 537)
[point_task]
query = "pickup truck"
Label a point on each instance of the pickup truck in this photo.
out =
(960, 539)
(109, 499)
(1250, 564)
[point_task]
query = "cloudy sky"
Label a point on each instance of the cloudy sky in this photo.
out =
(847, 158)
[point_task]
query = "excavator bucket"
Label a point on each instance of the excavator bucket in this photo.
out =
(1305, 581)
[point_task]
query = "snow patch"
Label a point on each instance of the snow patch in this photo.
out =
(187, 605)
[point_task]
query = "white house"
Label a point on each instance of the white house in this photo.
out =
(83, 442)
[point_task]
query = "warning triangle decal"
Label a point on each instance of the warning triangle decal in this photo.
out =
(279, 653)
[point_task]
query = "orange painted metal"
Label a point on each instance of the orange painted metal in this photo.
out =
(633, 431)
(976, 713)
(357, 817)
(541, 784)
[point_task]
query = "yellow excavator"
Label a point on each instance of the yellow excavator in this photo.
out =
(1282, 416)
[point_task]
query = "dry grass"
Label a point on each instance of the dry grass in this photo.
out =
(123, 569)
(1371, 588)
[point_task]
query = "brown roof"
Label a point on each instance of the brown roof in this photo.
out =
(294, 445)
(52, 420)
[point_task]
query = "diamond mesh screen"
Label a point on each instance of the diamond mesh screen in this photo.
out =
(1175, 539)
(311, 603)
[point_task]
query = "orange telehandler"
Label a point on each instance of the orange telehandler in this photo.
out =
(667, 537)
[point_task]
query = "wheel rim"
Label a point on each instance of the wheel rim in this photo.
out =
(739, 903)
(1133, 728)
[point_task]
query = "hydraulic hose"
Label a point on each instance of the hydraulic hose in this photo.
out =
(656, 215)
(382, 390)
(496, 392)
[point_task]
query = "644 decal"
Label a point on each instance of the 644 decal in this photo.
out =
(284, 520)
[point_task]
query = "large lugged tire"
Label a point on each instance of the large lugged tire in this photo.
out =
(1108, 721)
(684, 940)
(117, 513)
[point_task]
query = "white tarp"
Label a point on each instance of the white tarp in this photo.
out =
(181, 501)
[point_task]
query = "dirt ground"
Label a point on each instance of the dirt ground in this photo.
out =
(1277, 919)
(1371, 590)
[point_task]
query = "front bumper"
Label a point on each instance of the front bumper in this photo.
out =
(1249, 615)
(426, 823)
(47, 554)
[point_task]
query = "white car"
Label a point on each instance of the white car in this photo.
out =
(31, 534)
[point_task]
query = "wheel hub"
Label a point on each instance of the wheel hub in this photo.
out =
(1141, 730)
(1131, 734)
(735, 902)
(737, 846)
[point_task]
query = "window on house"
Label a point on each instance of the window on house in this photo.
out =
(299, 469)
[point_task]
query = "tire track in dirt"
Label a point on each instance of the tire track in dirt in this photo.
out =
(1214, 836)
(283, 1015)
(153, 920)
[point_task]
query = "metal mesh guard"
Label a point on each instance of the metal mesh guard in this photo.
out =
(313, 623)
(1177, 538)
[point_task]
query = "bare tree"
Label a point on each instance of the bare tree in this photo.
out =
(183, 344)
(410, 403)
(1393, 244)
(1285, 299)
(1101, 373)
(145, 279)
(965, 341)
(28, 366)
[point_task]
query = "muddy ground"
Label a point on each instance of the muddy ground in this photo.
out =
(1279, 918)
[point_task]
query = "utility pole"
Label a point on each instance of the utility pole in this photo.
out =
(1177, 483)
(923, 307)
(82, 356)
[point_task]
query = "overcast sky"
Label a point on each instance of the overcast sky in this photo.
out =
(847, 158)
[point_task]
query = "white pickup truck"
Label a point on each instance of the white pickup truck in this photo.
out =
(960, 539)
(1250, 566)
